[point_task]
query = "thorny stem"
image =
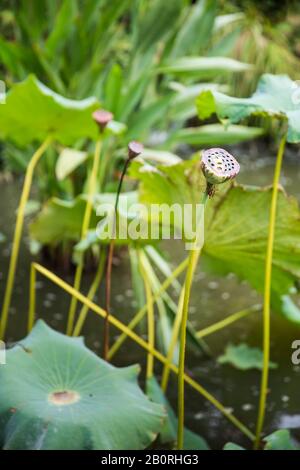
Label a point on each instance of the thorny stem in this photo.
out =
(109, 266)
(85, 226)
(18, 233)
(193, 259)
(267, 295)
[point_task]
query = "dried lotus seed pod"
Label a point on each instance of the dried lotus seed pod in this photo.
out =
(218, 166)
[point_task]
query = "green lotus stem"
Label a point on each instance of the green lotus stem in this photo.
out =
(193, 259)
(18, 233)
(141, 342)
(91, 293)
(173, 342)
(92, 184)
(141, 313)
(31, 310)
(228, 321)
(267, 295)
(150, 318)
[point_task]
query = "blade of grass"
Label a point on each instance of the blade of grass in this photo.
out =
(150, 317)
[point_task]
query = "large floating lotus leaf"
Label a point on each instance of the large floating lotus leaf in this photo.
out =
(33, 111)
(236, 228)
(57, 394)
(276, 95)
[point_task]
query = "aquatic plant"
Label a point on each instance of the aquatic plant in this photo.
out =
(275, 98)
(52, 118)
(68, 398)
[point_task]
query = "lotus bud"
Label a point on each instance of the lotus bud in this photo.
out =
(134, 149)
(102, 118)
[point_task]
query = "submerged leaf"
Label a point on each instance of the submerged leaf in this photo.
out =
(57, 394)
(280, 440)
(243, 357)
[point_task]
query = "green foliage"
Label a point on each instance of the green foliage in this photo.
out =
(280, 440)
(50, 115)
(57, 394)
(243, 357)
(276, 96)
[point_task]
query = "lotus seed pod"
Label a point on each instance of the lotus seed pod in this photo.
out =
(134, 149)
(102, 118)
(218, 166)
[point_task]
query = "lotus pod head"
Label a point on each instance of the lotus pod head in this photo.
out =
(134, 149)
(102, 118)
(218, 166)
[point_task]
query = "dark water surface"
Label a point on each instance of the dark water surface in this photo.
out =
(212, 299)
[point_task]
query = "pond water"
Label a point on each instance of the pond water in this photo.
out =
(212, 299)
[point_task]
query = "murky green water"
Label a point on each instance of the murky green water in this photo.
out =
(212, 299)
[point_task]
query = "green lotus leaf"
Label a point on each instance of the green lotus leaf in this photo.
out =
(236, 227)
(32, 112)
(276, 96)
(57, 394)
(243, 357)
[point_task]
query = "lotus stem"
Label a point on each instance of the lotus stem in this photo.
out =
(134, 149)
(173, 342)
(91, 293)
(31, 310)
(85, 226)
(267, 295)
(109, 266)
(228, 321)
(141, 313)
(193, 259)
(142, 343)
(18, 233)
